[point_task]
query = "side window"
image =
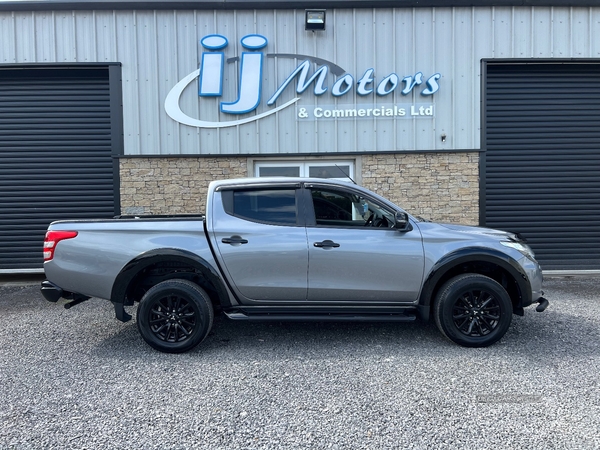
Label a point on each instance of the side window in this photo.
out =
(346, 209)
(274, 206)
(333, 208)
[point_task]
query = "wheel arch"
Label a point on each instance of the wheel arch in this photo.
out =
(158, 265)
(484, 261)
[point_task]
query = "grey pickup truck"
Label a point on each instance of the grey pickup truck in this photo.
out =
(293, 249)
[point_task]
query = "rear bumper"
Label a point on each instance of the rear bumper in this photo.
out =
(52, 292)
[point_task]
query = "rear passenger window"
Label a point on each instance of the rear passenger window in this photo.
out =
(274, 206)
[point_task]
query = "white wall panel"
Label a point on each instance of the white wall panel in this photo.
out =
(483, 47)
(503, 30)
(594, 14)
(542, 33)
(443, 100)
(404, 57)
(148, 38)
(7, 35)
(24, 37)
(581, 40)
(561, 33)
(425, 61)
(523, 35)
(228, 138)
(106, 44)
(85, 37)
(64, 40)
(459, 129)
(44, 37)
(345, 44)
(265, 130)
(186, 54)
(127, 53)
(159, 48)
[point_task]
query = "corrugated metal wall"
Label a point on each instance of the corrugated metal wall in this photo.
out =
(158, 48)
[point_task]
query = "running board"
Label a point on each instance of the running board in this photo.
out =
(396, 315)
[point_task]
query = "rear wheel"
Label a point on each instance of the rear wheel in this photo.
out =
(174, 316)
(472, 310)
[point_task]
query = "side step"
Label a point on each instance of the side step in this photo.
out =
(290, 314)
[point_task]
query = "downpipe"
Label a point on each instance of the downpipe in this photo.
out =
(542, 304)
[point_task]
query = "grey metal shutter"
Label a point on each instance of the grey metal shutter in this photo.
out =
(541, 136)
(56, 155)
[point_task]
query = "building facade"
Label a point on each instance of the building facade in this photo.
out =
(471, 114)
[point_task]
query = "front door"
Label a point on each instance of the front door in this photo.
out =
(355, 255)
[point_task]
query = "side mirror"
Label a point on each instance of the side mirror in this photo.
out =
(401, 222)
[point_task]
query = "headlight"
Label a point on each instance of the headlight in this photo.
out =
(524, 249)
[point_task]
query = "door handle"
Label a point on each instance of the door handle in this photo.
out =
(234, 240)
(326, 244)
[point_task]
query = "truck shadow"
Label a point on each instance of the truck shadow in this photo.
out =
(542, 336)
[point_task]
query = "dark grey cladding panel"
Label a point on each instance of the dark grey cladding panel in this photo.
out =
(542, 159)
(56, 154)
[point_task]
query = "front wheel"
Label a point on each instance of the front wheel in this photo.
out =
(174, 316)
(472, 310)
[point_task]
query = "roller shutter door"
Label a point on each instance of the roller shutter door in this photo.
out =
(541, 136)
(56, 155)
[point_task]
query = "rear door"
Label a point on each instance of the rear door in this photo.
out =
(355, 255)
(261, 242)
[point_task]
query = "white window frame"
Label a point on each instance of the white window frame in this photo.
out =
(304, 166)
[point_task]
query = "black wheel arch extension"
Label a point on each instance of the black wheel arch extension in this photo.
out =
(485, 261)
(136, 270)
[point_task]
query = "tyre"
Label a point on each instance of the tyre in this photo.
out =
(472, 310)
(174, 316)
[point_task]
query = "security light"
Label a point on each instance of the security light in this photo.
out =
(315, 19)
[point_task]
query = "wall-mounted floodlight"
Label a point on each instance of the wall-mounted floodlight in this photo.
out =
(315, 19)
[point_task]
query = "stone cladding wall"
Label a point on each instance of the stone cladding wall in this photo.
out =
(173, 185)
(443, 187)
(436, 186)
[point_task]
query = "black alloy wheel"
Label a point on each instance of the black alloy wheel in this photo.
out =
(473, 310)
(174, 316)
(476, 313)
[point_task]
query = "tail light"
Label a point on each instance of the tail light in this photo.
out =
(52, 239)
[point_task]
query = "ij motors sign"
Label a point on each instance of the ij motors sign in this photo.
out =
(210, 76)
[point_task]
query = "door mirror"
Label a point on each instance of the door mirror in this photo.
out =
(401, 222)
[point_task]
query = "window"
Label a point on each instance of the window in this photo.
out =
(275, 206)
(329, 170)
(278, 171)
(338, 170)
(346, 209)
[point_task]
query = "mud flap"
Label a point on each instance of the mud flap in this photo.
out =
(120, 312)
